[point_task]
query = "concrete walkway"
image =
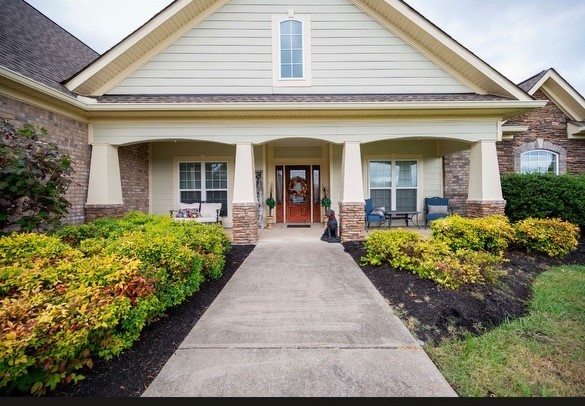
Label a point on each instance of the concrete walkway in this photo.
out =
(299, 320)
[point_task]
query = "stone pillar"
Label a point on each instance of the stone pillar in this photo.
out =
(351, 206)
(244, 204)
(104, 193)
(485, 191)
(245, 226)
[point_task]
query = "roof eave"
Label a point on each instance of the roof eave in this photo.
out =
(503, 110)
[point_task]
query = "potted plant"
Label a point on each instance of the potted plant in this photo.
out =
(271, 203)
(326, 203)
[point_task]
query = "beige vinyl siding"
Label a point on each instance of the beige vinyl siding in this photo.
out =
(231, 53)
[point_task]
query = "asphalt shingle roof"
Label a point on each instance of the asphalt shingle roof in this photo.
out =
(529, 83)
(35, 46)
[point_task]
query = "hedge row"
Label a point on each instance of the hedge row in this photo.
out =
(464, 251)
(88, 291)
(545, 196)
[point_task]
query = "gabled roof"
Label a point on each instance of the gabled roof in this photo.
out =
(559, 91)
(34, 46)
(182, 15)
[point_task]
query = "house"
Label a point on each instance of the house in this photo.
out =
(223, 99)
(550, 139)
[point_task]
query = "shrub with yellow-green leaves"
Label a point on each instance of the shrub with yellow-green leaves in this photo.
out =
(491, 233)
(552, 237)
(431, 258)
(55, 306)
(62, 305)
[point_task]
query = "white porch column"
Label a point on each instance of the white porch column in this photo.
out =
(352, 179)
(244, 204)
(351, 207)
(105, 186)
(485, 190)
(244, 176)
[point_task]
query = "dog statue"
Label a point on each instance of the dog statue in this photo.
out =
(330, 234)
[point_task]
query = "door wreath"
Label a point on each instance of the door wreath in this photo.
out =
(298, 187)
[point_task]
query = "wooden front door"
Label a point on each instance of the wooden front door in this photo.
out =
(298, 194)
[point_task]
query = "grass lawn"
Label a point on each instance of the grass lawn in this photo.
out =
(540, 355)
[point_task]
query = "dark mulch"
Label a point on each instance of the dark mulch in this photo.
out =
(428, 310)
(432, 312)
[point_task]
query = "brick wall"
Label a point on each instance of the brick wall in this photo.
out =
(70, 135)
(547, 129)
(134, 175)
(456, 182)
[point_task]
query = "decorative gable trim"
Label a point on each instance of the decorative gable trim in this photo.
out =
(141, 46)
(576, 130)
(442, 49)
(561, 93)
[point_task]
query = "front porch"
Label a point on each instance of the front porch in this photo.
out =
(281, 233)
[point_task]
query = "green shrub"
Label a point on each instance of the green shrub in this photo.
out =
(492, 233)
(34, 176)
(61, 305)
(545, 196)
(54, 309)
(552, 237)
(431, 258)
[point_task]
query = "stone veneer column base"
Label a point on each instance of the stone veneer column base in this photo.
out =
(483, 208)
(351, 222)
(245, 223)
(97, 211)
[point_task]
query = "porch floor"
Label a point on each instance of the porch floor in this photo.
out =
(280, 232)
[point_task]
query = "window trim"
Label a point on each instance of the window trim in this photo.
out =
(277, 81)
(553, 153)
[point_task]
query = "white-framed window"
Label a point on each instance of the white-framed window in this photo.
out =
(539, 161)
(393, 184)
(291, 50)
(204, 181)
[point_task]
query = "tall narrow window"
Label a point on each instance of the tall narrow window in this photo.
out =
(539, 161)
(203, 181)
(381, 183)
(291, 50)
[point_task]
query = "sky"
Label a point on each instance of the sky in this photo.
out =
(518, 38)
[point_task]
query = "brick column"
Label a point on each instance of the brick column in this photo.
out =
(351, 206)
(483, 208)
(245, 223)
(244, 204)
(351, 221)
(96, 211)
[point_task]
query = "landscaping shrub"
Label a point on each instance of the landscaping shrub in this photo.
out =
(34, 176)
(492, 233)
(545, 196)
(55, 306)
(431, 258)
(63, 304)
(552, 237)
